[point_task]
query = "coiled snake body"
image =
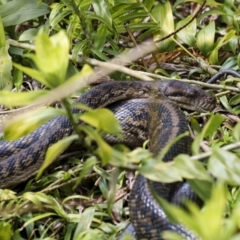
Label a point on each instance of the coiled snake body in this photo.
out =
(152, 115)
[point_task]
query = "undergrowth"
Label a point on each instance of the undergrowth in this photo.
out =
(52, 50)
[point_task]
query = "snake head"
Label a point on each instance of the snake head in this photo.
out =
(188, 96)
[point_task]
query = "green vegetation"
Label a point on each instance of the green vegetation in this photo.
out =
(58, 44)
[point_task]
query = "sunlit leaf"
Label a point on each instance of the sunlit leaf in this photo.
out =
(103, 119)
(55, 150)
(28, 122)
(205, 38)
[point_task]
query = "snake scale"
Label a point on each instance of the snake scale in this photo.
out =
(147, 113)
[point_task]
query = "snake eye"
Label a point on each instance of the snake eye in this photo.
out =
(192, 93)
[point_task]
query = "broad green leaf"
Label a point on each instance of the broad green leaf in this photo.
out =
(214, 210)
(6, 80)
(5, 230)
(13, 99)
(56, 150)
(160, 171)
(19, 11)
(201, 187)
(29, 35)
(148, 4)
(191, 169)
(102, 119)
(205, 38)
(100, 38)
(224, 165)
(188, 34)
(52, 57)
(230, 63)
(162, 13)
(28, 122)
(102, 10)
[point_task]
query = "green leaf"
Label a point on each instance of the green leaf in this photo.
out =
(28, 35)
(5, 230)
(83, 225)
(56, 150)
(102, 119)
(236, 132)
(86, 169)
(225, 103)
(6, 80)
(52, 57)
(214, 210)
(162, 13)
(191, 169)
(17, 78)
(104, 150)
(224, 165)
(19, 11)
(213, 58)
(213, 123)
(14, 99)
(102, 10)
(38, 217)
(2, 34)
(100, 38)
(205, 38)
(28, 122)
(187, 34)
(201, 187)
(148, 4)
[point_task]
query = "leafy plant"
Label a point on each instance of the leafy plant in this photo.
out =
(58, 43)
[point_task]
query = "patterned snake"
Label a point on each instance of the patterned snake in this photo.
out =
(147, 113)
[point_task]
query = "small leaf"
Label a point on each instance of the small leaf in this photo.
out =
(104, 150)
(225, 103)
(102, 119)
(235, 100)
(56, 150)
(17, 78)
(236, 132)
(213, 123)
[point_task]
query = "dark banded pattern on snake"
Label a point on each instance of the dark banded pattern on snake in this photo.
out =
(26, 160)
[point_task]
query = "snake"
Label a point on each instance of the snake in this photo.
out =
(146, 110)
